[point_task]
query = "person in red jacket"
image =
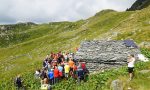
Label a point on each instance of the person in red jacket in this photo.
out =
(83, 65)
(56, 75)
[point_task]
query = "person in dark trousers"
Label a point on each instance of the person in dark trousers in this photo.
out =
(131, 61)
(18, 83)
(80, 74)
(51, 77)
(45, 63)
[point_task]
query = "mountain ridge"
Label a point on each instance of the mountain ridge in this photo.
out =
(23, 48)
(139, 4)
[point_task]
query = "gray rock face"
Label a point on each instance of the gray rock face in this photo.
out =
(116, 85)
(13, 26)
(5, 27)
(145, 44)
(104, 54)
(144, 71)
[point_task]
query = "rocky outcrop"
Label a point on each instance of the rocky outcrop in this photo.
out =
(6, 27)
(101, 55)
(13, 26)
(116, 85)
(144, 71)
(145, 44)
(139, 4)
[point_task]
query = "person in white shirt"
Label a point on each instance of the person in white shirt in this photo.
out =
(131, 61)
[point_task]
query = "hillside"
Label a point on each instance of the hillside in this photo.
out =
(24, 47)
(139, 4)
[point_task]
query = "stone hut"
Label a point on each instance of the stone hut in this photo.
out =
(100, 55)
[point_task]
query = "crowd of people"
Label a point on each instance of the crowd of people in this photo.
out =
(58, 66)
(61, 66)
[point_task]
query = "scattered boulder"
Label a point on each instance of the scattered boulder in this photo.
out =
(141, 57)
(145, 44)
(144, 71)
(148, 77)
(129, 88)
(13, 26)
(6, 27)
(116, 85)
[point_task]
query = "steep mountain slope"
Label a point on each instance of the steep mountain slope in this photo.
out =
(22, 50)
(139, 4)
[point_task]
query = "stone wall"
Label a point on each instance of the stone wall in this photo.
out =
(101, 55)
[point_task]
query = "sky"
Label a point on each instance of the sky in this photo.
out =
(44, 11)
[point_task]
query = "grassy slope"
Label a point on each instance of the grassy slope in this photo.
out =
(25, 53)
(102, 81)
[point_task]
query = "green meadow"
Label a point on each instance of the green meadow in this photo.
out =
(23, 48)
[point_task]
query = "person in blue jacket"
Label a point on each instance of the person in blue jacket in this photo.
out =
(51, 77)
